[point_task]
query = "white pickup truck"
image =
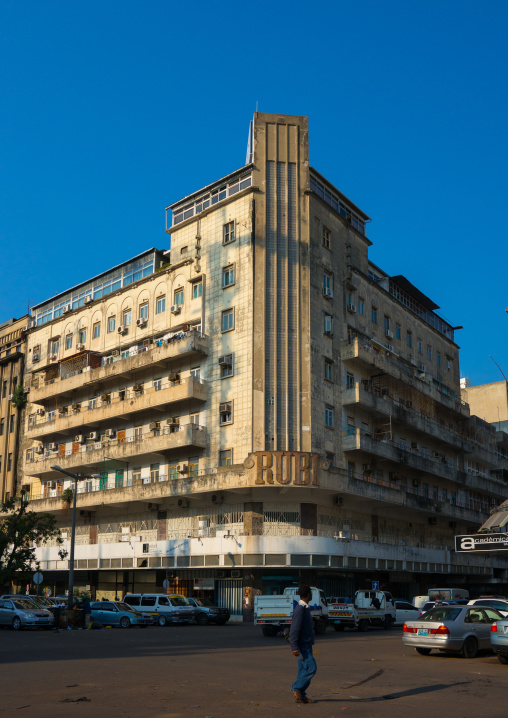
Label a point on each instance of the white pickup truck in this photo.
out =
(376, 608)
(274, 613)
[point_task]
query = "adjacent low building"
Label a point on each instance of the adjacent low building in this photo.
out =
(259, 405)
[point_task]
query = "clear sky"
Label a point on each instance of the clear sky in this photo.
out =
(109, 111)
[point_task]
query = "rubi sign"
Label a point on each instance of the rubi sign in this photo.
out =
(286, 467)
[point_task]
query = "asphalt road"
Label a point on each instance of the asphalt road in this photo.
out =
(233, 671)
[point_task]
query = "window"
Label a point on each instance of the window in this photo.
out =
(92, 403)
(228, 234)
(327, 284)
(329, 417)
(228, 275)
(325, 237)
(226, 413)
(409, 339)
(226, 366)
(9, 462)
(374, 315)
(419, 346)
(11, 423)
(154, 473)
(109, 360)
(226, 457)
(397, 331)
(184, 250)
(193, 465)
(136, 473)
(32, 420)
(197, 289)
(160, 306)
(448, 365)
(330, 457)
(361, 306)
(429, 352)
(138, 432)
(350, 381)
(194, 418)
(96, 330)
(54, 345)
(111, 324)
(157, 384)
(82, 336)
(386, 323)
(178, 297)
(438, 358)
(37, 353)
(127, 318)
(173, 470)
(4, 389)
(30, 455)
(328, 324)
(328, 370)
(143, 311)
(2, 422)
(195, 372)
(228, 320)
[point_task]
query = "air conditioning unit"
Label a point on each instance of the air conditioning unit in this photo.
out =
(351, 308)
(421, 367)
(53, 357)
(105, 398)
(141, 322)
(367, 467)
(79, 439)
(183, 503)
(185, 327)
(217, 498)
(93, 435)
(154, 425)
(53, 446)
(126, 529)
(76, 407)
(26, 389)
(88, 300)
(80, 346)
(40, 412)
(391, 348)
(327, 293)
(337, 500)
(10, 397)
(110, 433)
(138, 387)
(39, 449)
(173, 421)
(62, 410)
(174, 376)
(225, 361)
(412, 362)
(115, 353)
(66, 308)
(152, 506)
(225, 407)
(147, 342)
(183, 468)
(389, 334)
(175, 309)
(121, 329)
(416, 482)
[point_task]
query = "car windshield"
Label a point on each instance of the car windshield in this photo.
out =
(442, 613)
(43, 601)
(179, 601)
(24, 603)
(125, 607)
(204, 602)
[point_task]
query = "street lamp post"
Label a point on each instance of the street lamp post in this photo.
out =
(76, 478)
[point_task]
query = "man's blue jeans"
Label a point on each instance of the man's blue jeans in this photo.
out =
(306, 670)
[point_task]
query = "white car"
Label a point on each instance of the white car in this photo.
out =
(497, 603)
(405, 611)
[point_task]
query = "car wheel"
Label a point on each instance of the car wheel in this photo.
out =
(339, 627)
(269, 631)
(16, 623)
(162, 620)
(423, 651)
(320, 626)
(202, 619)
(363, 625)
(125, 622)
(470, 647)
(502, 659)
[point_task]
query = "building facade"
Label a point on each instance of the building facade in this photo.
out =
(12, 355)
(259, 405)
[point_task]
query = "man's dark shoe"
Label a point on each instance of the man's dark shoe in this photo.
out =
(298, 697)
(304, 699)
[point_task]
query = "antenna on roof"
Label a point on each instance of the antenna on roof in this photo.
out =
(495, 362)
(250, 144)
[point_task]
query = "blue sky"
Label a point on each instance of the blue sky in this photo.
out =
(110, 111)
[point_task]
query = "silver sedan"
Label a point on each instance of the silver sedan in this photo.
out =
(459, 629)
(24, 613)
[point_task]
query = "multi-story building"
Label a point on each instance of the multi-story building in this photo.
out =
(12, 355)
(262, 403)
(488, 401)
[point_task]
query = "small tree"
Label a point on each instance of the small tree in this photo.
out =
(21, 531)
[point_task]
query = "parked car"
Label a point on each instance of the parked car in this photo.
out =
(434, 604)
(20, 612)
(451, 628)
(208, 613)
(499, 640)
(117, 613)
(405, 611)
(166, 609)
(501, 605)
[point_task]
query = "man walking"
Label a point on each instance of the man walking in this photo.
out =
(301, 640)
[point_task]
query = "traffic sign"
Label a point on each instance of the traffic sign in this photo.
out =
(38, 578)
(165, 584)
(375, 585)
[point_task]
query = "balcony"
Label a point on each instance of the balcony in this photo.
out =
(381, 403)
(90, 458)
(65, 385)
(371, 355)
(118, 409)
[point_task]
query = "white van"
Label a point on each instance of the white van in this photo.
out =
(165, 608)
